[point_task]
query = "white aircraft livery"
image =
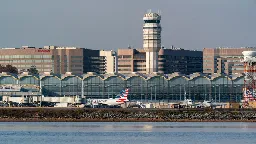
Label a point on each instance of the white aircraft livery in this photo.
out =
(118, 100)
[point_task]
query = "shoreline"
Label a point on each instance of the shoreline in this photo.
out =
(112, 120)
(125, 115)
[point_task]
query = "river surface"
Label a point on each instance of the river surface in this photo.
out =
(127, 132)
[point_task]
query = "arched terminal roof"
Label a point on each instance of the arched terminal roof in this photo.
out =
(125, 76)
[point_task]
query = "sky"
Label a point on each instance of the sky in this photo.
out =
(113, 24)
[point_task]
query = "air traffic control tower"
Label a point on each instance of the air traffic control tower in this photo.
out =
(152, 40)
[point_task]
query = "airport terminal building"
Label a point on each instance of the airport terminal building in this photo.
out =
(143, 87)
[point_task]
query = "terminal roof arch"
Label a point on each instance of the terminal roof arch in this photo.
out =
(179, 76)
(7, 79)
(58, 76)
(222, 80)
(132, 76)
(112, 78)
(201, 80)
(63, 77)
(157, 76)
(86, 76)
(178, 80)
(51, 79)
(108, 76)
(14, 76)
(25, 76)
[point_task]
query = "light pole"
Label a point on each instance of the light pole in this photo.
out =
(141, 93)
(205, 91)
(219, 93)
(238, 87)
(112, 91)
(151, 93)
(170, 87)
(189, 89)
(155, 93)
(226, 92)
(164, 92)
(212, 92)
(215, 98)
(193, 92)
(40, 92)
(235, 93)
(180, 92)
(106, 87)
(185, 93)
(108, 90)
(215, 86)
(86, 91)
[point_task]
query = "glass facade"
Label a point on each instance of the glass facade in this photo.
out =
(173, 87)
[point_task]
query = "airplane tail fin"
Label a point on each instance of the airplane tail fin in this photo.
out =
(124, 95)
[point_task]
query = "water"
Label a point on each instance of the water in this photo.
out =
(127, 133)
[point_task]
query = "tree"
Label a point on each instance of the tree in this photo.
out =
(33, 70)
(8, 68)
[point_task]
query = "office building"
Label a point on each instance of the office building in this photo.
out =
(110, 61)
(99, 61)
(180, 60)
(60, 60)
(48, 59)
(224, 60)
(131, 60)
(169, 61)
(93, 62)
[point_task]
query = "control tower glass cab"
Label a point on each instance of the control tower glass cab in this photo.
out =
(152, 40)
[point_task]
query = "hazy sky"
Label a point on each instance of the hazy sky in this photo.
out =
(112, 24)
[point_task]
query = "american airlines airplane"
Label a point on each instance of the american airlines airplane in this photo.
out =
(118, 100)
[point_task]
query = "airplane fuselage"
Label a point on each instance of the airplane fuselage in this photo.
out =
(107, 101)
(118, 100)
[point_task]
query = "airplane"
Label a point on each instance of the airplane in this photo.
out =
(213, 104)
(118, 100)
(187, 103)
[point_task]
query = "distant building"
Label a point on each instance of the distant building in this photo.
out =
(110, 61)
(224, 60)
(59, 60)
(93, 62)
(180, 60)
(131, 60)
(169, 61)
(48, 59)
(99, 61)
